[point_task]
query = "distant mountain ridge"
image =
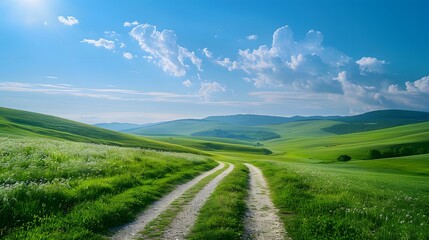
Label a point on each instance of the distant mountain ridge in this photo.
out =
(253, 127)
(259, 120)
(116, 126)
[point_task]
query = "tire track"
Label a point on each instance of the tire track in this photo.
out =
(184, 221)
(131, 230)
(261, 221)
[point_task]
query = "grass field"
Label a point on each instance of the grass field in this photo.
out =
(323, 201)
(59, 189)
(55, 188)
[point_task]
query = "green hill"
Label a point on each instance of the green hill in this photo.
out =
(214, 144)
(23, 123)
(330, 146)
(377, 120)
(205, 128)
(115, 126)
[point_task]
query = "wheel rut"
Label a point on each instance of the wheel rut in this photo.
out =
(261, 220)
(131, 230)
(185, 219)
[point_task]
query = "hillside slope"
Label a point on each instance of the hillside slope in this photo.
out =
(357, 145)
(377, 120)
(23, 123)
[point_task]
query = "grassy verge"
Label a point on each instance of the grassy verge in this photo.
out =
(222, 215)
(155, 229)
(322, 201)
(64, 190)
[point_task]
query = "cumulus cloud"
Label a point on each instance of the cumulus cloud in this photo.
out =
(208, 88)
(164, 51)
(370, 64)
(69, 21)
(187, 83)
(292, 63)
(252, 37)
(107, 44)
(128, 55)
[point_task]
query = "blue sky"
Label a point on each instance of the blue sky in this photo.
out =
(149, 61)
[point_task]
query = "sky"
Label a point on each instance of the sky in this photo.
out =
(143, 61)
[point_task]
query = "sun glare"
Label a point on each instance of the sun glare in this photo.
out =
(29, 12)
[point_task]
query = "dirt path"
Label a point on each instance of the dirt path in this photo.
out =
(261, 221)
(182, 224)
(130, 231)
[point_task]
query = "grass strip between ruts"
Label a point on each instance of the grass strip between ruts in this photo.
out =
(156, 228)
(222, 215)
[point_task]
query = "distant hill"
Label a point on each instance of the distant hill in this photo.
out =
(115, 126)
(241, 127)
(259, 120)
(240, 135)
(377, 120)
(23, 123)
(205, 128)
(184, 127)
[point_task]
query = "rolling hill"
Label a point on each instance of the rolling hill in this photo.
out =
(330, 146)
(259, 120)
(115, 126)
(377, 120)
(23, 123)
(255, 128)
(205, 128)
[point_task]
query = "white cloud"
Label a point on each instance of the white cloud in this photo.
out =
(100, 93)
(252, 37)
(292, 63)
(207, 53)
(51, 77)
(421, 85)
(129, 24)
(128, 55)
(370, 64)
(107, 44)
(187, 83)
(164, 51)
(226, 63)
(208, 88)
(70, 21)
(122, 45)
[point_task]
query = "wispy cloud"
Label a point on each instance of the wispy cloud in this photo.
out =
(101, 42)
(129, 24)
(252, 37)
(69, 21)
(51, 77)
(100, 93)
(209, 88)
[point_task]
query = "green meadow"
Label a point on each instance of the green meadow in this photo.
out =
(51, 189)
(64, 180)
